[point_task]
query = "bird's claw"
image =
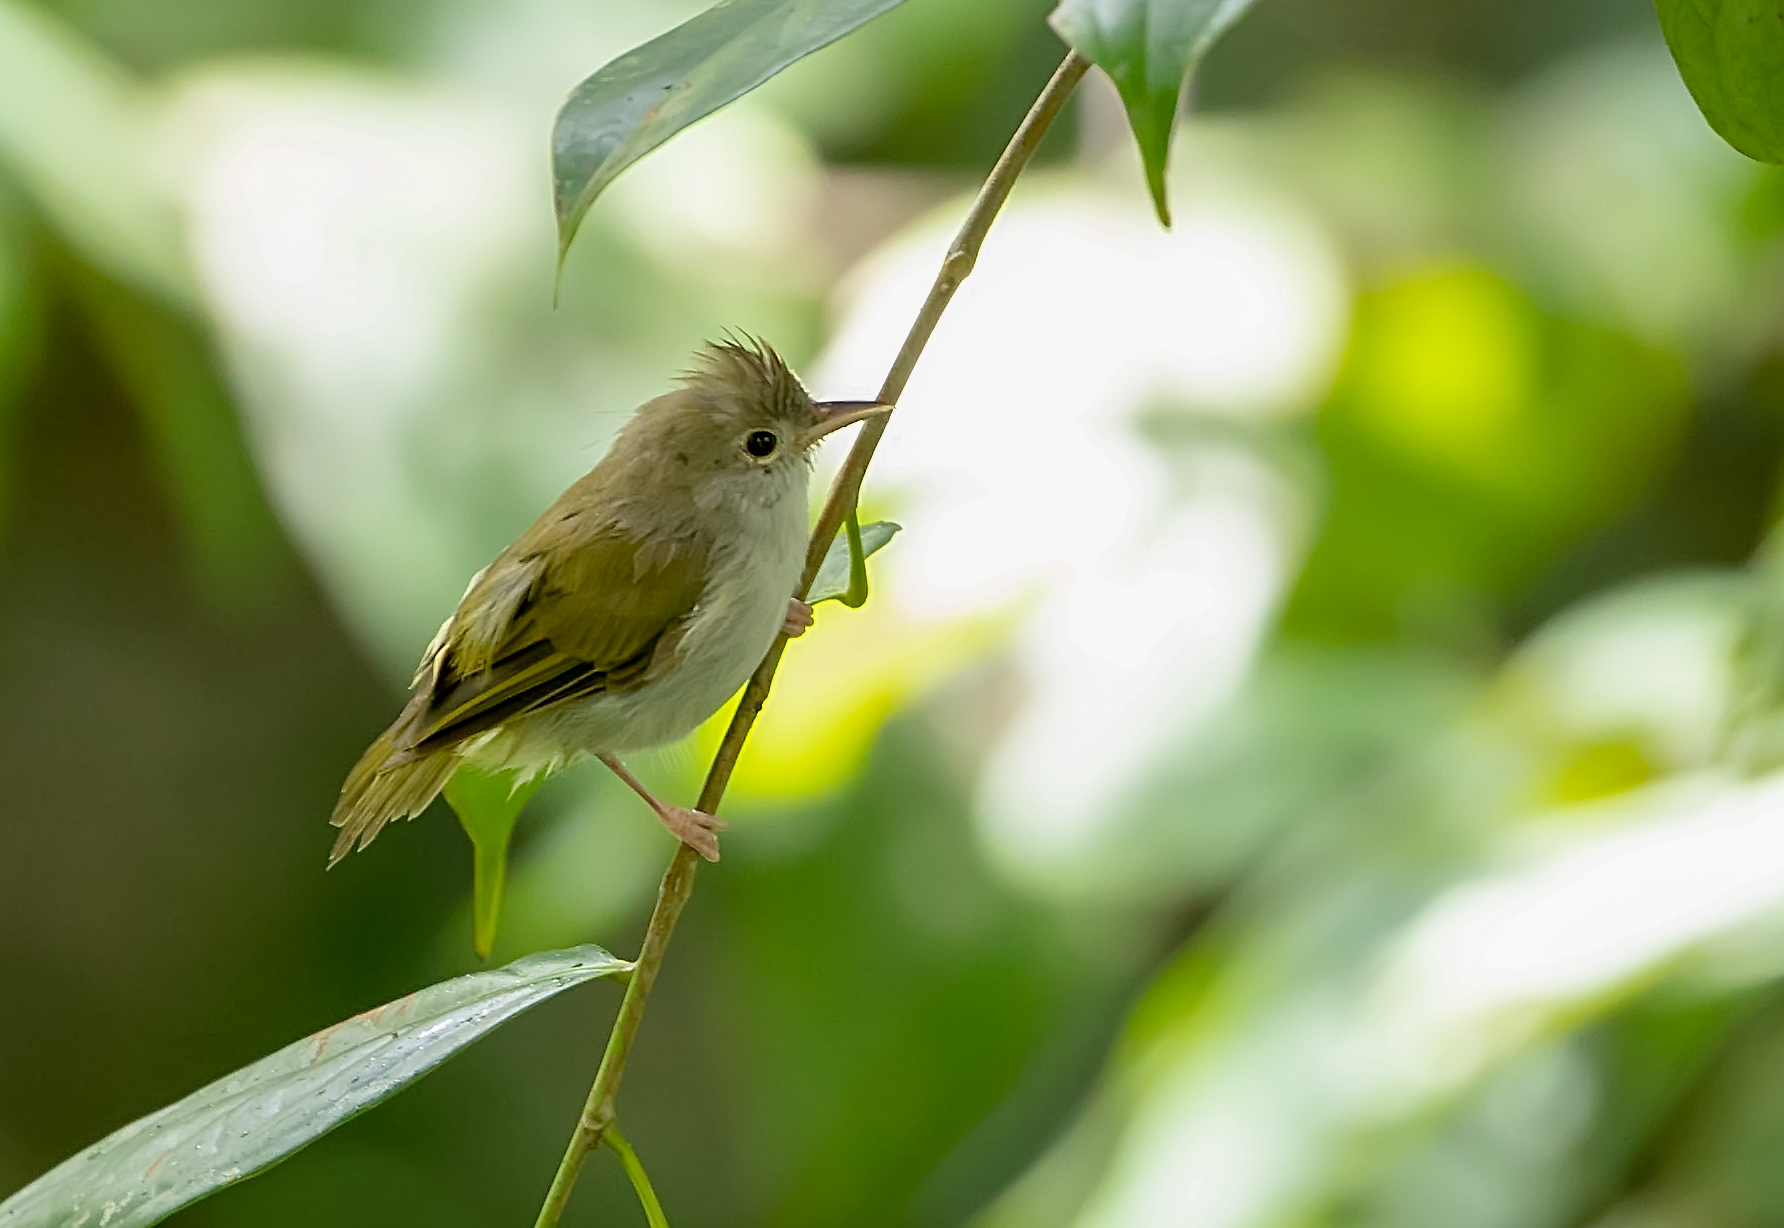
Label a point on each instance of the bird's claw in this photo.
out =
(799, 617)
(694, 828)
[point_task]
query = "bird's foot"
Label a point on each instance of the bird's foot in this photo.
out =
(799, 617)
(693, 827)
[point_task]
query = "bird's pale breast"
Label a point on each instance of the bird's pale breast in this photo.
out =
(754, 570)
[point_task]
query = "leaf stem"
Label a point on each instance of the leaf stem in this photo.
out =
(678, 880)
(856, 597)
(653, 1210)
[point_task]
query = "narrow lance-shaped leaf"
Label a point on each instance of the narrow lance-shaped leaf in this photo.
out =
(650, 93)
(1731, 54)
(252, 1119)
(487, 805)
(1148, 48)
(836, 578)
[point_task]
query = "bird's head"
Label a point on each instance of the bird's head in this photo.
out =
(743, 422)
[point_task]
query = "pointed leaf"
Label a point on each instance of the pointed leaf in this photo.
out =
(833, 578)
(1148, 48)
(1731, 54)
(487, 805)
(250, 1120)
(650, 93)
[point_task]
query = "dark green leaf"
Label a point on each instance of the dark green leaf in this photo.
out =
(650, 93)
(833, 578)
(487, 805)
(1731, 54)
(1148, 48)
(252, 1119)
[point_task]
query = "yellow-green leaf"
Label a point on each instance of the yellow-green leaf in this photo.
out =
(836, 578)
(487, 805)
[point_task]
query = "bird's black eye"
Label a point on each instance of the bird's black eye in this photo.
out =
(761, 443)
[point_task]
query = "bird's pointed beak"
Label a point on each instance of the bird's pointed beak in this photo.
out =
(834, 415)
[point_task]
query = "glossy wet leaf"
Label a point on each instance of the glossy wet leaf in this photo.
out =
(1148, 48)
(638, 101)
(833, 578)
(252, 1119)
(487, 805)
(1731, 54)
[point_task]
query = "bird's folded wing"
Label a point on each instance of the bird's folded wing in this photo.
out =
(548, 623)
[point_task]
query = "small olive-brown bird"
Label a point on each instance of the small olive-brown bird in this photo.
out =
(631, 610)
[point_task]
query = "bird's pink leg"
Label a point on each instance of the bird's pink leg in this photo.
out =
(799, 617)
(691, 827)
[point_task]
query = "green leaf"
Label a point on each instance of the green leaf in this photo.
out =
(833, 579)
(1148, 48)
(487, 805)
(650, 93)
(1731, 54)
(250, 1120)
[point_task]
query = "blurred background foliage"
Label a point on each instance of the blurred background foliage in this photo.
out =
(1309, 761)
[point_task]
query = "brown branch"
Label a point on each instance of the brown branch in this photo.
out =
(678, 881)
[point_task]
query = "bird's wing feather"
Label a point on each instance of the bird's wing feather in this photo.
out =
(559, 616)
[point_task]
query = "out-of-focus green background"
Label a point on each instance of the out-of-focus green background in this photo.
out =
(1309, 757)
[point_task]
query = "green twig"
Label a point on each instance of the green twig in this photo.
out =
(678, 881)
(856, 597)
(653, 1210)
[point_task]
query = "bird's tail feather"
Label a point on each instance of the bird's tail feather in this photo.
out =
(378, 791)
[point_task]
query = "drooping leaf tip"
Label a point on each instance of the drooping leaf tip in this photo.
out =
(1160, 205)
(568, 225)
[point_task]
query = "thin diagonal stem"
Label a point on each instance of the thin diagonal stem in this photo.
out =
(678, 881)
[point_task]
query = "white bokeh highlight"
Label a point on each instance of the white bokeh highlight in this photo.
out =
(377, 256)
(1017, 462)
(348, 236)
(1492, 962)
(1244, 1129)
